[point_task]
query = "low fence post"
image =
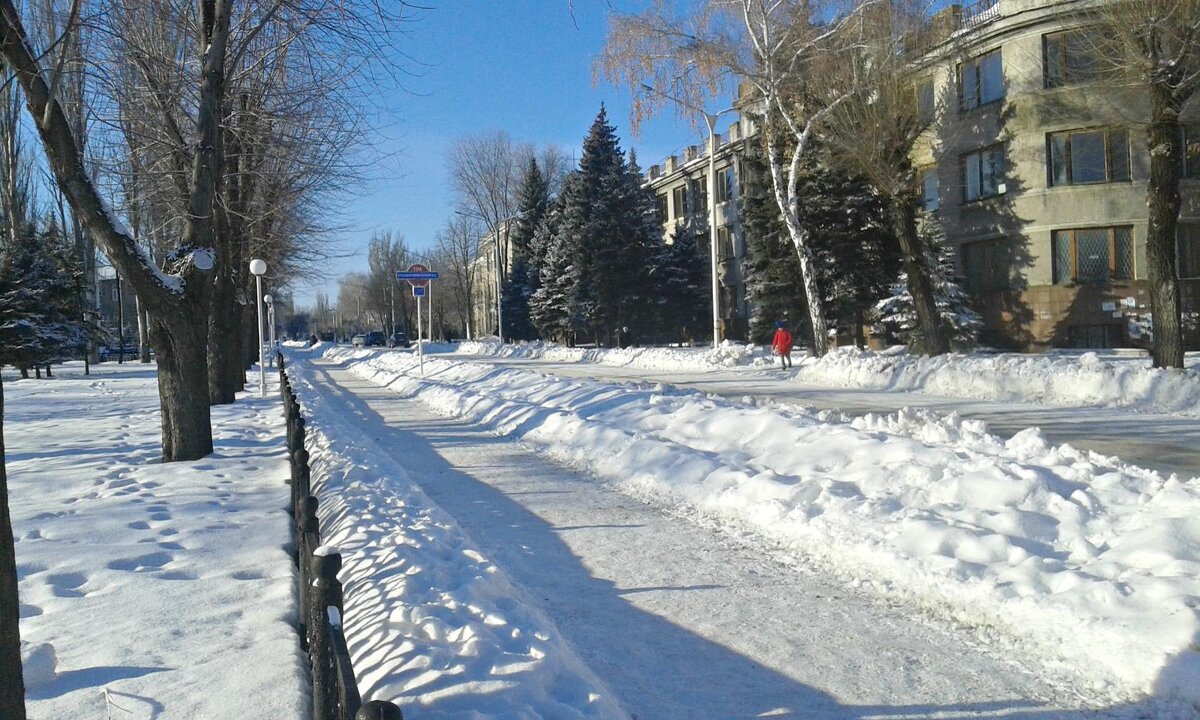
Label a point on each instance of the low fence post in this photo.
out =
(323, 570)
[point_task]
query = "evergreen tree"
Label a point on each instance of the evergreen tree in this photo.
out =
(771, 267)
(857, 256)
(533, 200)
(40, 317)
(608, 220)
(680, 277)
(953, 303)
(552, 306)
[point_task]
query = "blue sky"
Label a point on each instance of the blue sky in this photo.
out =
(522, 66)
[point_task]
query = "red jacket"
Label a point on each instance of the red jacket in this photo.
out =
(782, 344)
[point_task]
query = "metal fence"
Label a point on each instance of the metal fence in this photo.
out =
(335, 691)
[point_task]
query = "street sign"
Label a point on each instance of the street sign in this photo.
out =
(418, 291)
(417, 275)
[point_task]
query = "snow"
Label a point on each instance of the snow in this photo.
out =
(168, 590)
(1091, 561)
(164, 590)
(1086, 379)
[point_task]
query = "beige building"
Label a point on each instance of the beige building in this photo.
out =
(1038, 169)
(680, 184)
(483, 273)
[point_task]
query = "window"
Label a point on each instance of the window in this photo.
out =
(981, 81)
(1070, 58)
(1188, 245)
(1093, 255)
(679, 201)
(929, 189)
(1085, 337)
(725, 243)
(926, 107)
(1191, 151)
(1082, 157)
(725, 185)
(698, 194)
(662, 207)
(986, 265)
(983, 173)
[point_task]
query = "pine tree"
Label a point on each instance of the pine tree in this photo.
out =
(953, 303)
(680, 276)
(552, 306)
(772, 269)
(533, 200)
(609, 220)
(40, 318)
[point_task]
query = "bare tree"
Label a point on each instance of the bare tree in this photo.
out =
(874, 131)
(386, 253)
(1153, 47)
(786, 50)
(459, 244)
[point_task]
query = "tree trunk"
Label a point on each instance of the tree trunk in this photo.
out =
(934, 338)
(1162, 198)
(12, 683)
(182, 387)
(224, 354)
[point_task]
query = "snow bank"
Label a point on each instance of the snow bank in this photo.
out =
(1092, 562)
(166, 590)
(430, 621)
(1054, 379)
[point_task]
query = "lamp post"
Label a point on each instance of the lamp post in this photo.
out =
(710, 119)
(258, 268)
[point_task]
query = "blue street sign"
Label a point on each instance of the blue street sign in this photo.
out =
(428, 275)
(418, 291)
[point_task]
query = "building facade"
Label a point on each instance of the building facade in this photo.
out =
(1037, 167)
(680, 184)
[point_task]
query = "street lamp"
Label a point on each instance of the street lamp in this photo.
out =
(258, 268)
(271, 324)
(710, 119)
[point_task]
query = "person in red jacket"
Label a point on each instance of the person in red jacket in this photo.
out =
(782, 345)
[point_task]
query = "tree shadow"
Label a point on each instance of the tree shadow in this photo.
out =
(668, 669)
(993, 251)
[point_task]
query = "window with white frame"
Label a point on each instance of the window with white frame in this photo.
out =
(930, 192)
(981, 80)
(983, 173)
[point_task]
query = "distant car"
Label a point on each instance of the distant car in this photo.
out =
(113, 353)
(358, 340)
(398, 340)
(373, 339)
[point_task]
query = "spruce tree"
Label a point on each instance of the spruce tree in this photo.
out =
(898, 313)
(680, 277)
(552, 307)
(532, 203)
(608, 217)
(40, 318)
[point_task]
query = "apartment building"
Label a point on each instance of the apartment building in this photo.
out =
(680, 184)
(1037, 168)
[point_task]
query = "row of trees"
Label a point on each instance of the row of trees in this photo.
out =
(182, 139)
(836, 78)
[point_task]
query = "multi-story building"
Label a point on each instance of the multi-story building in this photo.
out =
(680, 184)
(1037, 168)
(483, 277)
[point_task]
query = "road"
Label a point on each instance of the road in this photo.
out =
(680, 620)
(1169, 444)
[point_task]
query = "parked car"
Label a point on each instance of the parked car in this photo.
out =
(114, 352)
(358, 340)
(398, 340)
(374, 339)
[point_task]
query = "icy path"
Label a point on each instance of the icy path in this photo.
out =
(1167, 443)
(676, 620)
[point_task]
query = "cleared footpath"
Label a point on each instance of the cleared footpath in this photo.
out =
(678, 620)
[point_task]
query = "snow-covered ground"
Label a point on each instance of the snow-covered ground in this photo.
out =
(1093, 563)
(1090, 378)
(149, 590)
